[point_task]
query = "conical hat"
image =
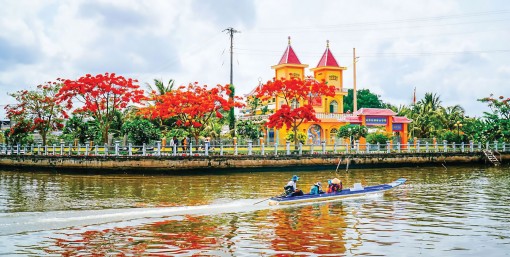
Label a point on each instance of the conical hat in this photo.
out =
(335, 181)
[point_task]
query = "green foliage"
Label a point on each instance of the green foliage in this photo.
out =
(354, 131)
(141, 131)
(377, 137)
(300, 136)
(19, 133)
(248, 129)
(496, 124)
(176, 132)
(366, 99)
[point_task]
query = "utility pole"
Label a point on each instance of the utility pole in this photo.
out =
(231, 116)
(354, 92)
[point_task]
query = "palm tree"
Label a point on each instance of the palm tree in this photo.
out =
(160, 88)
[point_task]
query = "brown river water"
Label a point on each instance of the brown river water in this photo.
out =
(457, 211)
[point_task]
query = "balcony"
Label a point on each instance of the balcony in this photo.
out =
(320, 115)
(338, 116)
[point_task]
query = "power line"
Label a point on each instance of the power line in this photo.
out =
(381, 22)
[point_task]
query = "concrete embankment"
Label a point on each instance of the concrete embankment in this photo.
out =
(137, 164)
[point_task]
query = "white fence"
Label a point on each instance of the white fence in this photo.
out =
(207, 149)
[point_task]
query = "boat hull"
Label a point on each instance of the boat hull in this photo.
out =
(346, 193)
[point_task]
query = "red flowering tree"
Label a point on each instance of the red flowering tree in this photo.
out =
(101, 97)
(37, 109)
(193, 106)
(297, 95)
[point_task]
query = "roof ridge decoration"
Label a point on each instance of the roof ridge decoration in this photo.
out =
(289, 56)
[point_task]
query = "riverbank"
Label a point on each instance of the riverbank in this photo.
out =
(137, 164)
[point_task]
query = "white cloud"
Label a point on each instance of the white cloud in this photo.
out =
(401, 45)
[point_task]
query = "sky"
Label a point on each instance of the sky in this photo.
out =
(457, 49)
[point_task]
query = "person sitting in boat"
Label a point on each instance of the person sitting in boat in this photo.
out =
(291, 187)
(316, 189)
(335, 186)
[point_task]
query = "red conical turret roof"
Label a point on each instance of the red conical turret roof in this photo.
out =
(289, 57)
(327, 58)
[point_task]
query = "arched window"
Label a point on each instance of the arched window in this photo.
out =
(333, 107)
(294, 104)
(332, 135)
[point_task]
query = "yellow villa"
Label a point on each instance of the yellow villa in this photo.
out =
(329, 110)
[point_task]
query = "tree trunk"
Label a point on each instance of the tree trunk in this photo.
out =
(43, 135)
(105, 135)
(295, 139)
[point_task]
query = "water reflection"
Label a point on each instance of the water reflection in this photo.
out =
(457, 211)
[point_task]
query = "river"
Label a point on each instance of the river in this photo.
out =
(452, 211)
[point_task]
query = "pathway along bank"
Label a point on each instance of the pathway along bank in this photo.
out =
(163, 164)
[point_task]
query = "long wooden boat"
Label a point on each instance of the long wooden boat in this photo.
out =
(356, 191)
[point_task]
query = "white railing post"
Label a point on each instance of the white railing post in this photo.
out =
(311, 148)
(191, 148)
(25, 148)
(417, 146)
(479, 146)
(70, 149)
(158, 144)
(262, 149)
(398, 147)
(504, 147)
(462, 147)
(96, 149)
(287, 147)
(495, 145)
(388, 147)
(454, 147)
(61, 148)
(79, 149)
(206, 147)
(87, 145)
(45, 149)
(144, 150)
(106, 150)
(250, 144)
(275, 148)
(53, 149)
(378, 147)
(175, 150)
(300, 148)
(487, 145)
(357, 146)
(471, 146)
(445, 149)
(17, 149)
(426, 147)
(368, 147)
(346, 148)
(323, 147)
(235, 147)
(130, 149)
(334, 147)
(32, 148)
(408, 147)
(116, 148)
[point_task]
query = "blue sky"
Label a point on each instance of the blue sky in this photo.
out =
(457, 49)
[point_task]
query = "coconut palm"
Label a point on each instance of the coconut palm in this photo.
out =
(160, 88)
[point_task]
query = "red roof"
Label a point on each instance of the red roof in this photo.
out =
(327, 59)
(399, 119)
(375, 112)
(289, 57)
(353, 119)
